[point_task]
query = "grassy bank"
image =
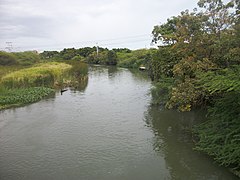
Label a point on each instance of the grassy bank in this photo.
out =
(20, 86)
(40, 75)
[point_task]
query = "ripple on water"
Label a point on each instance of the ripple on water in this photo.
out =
(106, 131)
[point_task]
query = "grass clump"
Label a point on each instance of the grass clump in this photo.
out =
(40, 75)
(18, 97)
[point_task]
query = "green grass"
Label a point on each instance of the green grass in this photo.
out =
(40, 75)
(9, 69)
(18, 97)
(20, 86)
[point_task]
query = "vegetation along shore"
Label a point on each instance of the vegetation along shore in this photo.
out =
(196, 65)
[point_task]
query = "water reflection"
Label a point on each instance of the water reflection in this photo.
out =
(77, 78)
(112, 71)
(173, 140)
(100, 135)
(140, 75)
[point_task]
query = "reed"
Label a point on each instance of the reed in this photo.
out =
(46, 74)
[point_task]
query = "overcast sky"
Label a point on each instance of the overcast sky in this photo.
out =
(55, 24)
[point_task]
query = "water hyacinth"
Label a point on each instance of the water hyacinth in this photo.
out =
(18, 97)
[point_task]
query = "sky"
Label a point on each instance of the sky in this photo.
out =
(57, 24)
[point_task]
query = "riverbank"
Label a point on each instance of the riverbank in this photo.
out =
(21, 85)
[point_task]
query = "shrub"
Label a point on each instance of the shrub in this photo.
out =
(27, 57)
(7, 59)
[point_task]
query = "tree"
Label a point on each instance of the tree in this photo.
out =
(49, 54)
(207, 73)
(68, 53)
(198, 41)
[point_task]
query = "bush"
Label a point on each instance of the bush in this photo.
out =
(220, 135)
(161, 90)
(77, 58)
(7, 59)
(135, 59)
(27, 57)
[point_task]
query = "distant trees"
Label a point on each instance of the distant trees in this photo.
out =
(87, 54)
(122, 56)
(49, 54)
(121, 50)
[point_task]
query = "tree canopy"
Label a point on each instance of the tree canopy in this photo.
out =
(200, 52)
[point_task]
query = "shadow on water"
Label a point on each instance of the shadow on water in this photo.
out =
(140, 75)
(172, 137)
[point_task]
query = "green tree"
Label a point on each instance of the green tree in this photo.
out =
(68, 53)
(199, 41)
(49, 54)
(207, 43)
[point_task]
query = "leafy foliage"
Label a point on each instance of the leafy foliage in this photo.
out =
(136, 58)
(201, 51)
(18, 97)
(161, 91)
(222, 81)
(163, 61)
(220, 135)
(197, 42)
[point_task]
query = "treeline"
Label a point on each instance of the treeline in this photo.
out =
(198, 65)
(122, 56)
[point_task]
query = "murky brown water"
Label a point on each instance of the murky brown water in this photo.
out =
(104, 130)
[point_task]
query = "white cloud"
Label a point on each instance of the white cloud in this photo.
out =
(54, 24)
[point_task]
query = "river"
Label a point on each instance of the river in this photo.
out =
(105, 130)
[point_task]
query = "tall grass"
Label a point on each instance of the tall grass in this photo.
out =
(40, 75)
(9, 69)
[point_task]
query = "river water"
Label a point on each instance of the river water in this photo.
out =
(105, 130)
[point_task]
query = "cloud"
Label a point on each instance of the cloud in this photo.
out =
(73, 22)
